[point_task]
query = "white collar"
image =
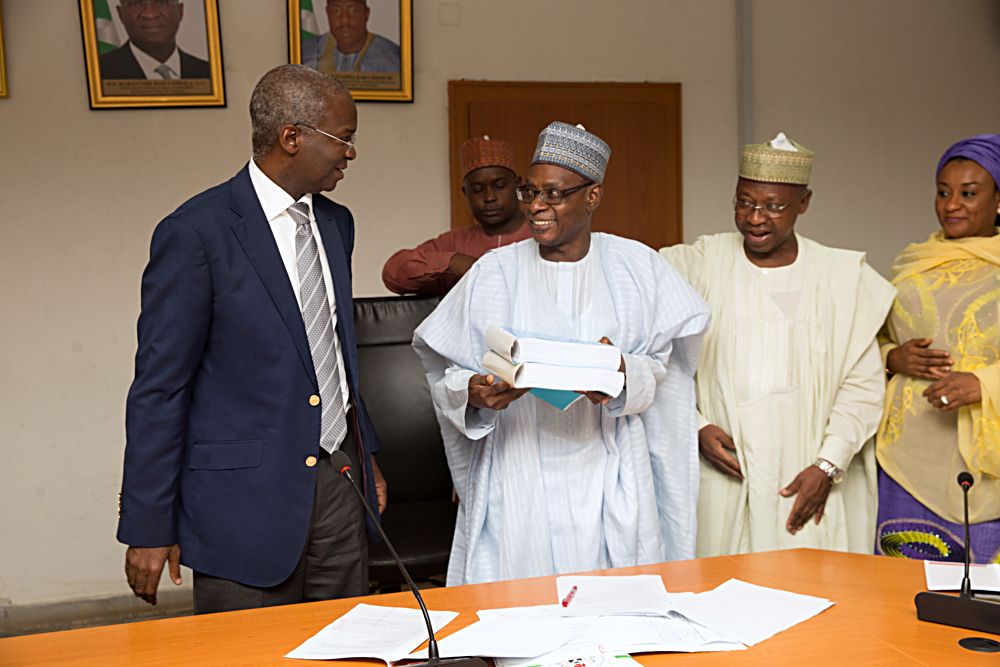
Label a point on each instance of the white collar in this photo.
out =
(149, 64)
(273, 199)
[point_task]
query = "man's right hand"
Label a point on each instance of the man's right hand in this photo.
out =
(917, 359)
(144, 565)
(483, 393)
(460, 264)
(716, 445)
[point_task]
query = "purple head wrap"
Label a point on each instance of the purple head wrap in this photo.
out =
(983, 149)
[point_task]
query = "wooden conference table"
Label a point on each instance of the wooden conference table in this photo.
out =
(872, 623)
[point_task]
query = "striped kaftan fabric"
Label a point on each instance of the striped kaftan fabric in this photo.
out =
(545, 492)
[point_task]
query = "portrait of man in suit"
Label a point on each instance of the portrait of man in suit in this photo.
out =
(246, 373)
(151, 51)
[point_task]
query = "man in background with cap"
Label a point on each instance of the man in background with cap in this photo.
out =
(611, 481)
(489, 181)
(790, 384)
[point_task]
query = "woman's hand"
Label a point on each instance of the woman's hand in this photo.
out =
(954, 391)
(917, 359)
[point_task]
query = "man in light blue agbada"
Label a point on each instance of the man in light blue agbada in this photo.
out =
(612, 481)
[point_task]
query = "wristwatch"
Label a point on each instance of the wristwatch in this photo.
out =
(835, 474)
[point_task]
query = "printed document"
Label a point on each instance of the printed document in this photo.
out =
(506, 636)
(636, 595)
(749, 613)
(369, 631)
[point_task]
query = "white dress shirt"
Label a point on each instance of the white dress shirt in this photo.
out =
(149, 64)
(275, 203)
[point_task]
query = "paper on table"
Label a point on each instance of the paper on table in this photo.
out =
(618, 635)
(948, 576)
(640, 594)
(541, 611)
(369, 631)
(648, 634)
(750, 613)
(587, 654)
(505, 637)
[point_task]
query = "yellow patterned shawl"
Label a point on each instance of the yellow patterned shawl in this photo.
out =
(939, 264)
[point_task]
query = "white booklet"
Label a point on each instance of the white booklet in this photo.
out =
(534, 350)
(948, 576)
(547, 376)
(369, 631)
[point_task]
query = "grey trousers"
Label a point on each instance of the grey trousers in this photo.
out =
(334, 563)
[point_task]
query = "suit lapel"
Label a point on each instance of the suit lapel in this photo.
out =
(254, 235)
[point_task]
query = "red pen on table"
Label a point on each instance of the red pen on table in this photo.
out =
(569, 597)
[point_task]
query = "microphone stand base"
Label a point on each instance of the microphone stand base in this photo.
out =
(969, 612)
(450, 662)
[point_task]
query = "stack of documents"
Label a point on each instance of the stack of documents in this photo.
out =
(603, 621)
(553, 366)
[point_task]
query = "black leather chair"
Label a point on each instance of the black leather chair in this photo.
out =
(420, 518)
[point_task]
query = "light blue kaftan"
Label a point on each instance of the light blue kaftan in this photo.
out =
(545, 492)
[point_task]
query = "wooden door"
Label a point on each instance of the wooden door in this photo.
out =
(640, 121)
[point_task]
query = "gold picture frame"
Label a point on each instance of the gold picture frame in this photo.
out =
(3, 60)
(121, 74)
(380, 68)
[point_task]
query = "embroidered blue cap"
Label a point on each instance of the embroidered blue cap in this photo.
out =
(574, 148)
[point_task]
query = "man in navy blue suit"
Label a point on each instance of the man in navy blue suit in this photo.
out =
(246, 374)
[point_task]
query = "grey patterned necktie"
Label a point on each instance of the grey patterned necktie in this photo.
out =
(319, 329)
(165, 72)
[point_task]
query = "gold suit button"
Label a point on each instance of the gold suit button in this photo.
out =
(311, 461)
(314, 400)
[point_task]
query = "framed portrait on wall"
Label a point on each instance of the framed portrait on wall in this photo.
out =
(3, 62)
(152, 53)
(367, 44)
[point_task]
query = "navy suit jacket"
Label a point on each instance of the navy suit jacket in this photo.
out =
(218, 421)
(121, 64)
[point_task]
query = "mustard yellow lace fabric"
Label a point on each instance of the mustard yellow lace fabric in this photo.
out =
(949, 290)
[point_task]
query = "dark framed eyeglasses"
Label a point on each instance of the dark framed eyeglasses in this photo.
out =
(769, 209)
(350, 142)
(526, 194)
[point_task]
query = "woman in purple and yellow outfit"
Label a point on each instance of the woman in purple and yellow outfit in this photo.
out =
(941, 344)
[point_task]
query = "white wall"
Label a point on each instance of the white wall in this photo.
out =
(879, 89)
(81, 191)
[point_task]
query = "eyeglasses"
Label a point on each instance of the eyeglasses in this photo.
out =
(350, 142)
(526, 194)
(768, 209)
(136, 4)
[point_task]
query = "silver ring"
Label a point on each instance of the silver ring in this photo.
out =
(944, 400)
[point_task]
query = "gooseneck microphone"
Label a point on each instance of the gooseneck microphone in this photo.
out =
(963, 610)
(965, 481)
(342, 463)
